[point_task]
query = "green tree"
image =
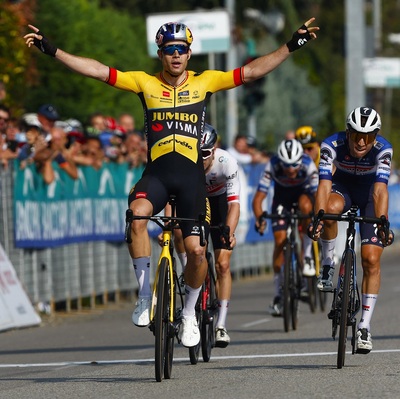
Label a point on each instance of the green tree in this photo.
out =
(115, 38)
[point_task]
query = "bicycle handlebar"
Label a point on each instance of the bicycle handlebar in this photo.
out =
(285, 215)
(352, 216)
(165, 223)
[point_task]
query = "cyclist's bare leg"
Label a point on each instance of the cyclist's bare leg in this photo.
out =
(196, 266)
(140, 251)
(277, 256)
(224, 283)
(224, 278)
(305, 207)
(370, 258)
(140, 245)
(335, 205)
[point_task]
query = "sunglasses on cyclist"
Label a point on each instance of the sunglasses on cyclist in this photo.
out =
(291, 165)
(368, 138)
(180, 48)
(206, 154)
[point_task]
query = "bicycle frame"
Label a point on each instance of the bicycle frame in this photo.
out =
(292, 277)
(166, 252)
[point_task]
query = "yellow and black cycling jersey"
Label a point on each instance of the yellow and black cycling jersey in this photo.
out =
(174, 116)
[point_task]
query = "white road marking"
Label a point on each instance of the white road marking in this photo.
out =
(182, 359)
(254, 323)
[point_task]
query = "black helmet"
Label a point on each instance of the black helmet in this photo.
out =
(208, 137)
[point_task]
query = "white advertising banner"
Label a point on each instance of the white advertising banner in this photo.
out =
(16, 310)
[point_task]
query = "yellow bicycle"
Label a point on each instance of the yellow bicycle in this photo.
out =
(165, 316)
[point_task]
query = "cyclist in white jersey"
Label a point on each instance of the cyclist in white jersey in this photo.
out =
(295, 180)
(223, 187)
(362, 159)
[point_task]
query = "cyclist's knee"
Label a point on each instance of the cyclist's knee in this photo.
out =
(370, 261)
(222, 267)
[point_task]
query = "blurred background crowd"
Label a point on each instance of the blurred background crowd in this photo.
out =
(42, 138)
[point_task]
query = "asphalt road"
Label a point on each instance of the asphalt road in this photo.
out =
(100, 354)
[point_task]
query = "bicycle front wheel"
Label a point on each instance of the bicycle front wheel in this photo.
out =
(286, 288)
(295, 287)
(344, 310)
(164, 339)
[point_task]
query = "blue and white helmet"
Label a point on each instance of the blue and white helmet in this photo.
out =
(290, 151)
(364, 120)
(173, 31)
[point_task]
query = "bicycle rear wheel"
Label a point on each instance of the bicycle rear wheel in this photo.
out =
(209, 298)
(344, 310)
(286, 287)
(164, 342)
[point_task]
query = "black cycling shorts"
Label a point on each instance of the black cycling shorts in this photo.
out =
(360, 195)
(173, 175)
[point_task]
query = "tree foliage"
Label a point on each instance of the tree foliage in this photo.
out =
(310, 86)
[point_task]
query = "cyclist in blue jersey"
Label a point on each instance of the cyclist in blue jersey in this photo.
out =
(362, 159)
(174, 102)
(295, 179)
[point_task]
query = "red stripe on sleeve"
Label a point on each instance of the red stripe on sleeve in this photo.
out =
(112, 76)
(237, 76)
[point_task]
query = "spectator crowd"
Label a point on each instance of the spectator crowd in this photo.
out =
(42, 138)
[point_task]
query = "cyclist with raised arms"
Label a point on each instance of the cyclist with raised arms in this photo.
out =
(362, 159)
(174, 103)
(295, 179)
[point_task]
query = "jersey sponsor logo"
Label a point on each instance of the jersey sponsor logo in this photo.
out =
(232, 176)
(157, 127)
(386, 158)
(186, 146)
(326, 154)
(141, 195)
(183, 127)
(183, 93)
(378, 145)
(196, 95)
(338, 143)
(222, 159)
(174, 116)
(166, 94)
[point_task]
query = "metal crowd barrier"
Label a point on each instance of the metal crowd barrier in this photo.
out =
(87, 274)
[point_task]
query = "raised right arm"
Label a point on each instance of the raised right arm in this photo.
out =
(84, 66)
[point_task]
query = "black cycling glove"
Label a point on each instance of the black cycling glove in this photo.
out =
(298, 39)
(44, 45)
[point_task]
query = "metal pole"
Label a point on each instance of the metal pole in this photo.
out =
(231, 95)
(355, 45)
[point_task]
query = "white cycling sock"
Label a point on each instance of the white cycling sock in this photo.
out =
(182, 259)
(142, 271)
(307, 245)
(368, 305)
(328, 252)
(223, 305)
(191, 296)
